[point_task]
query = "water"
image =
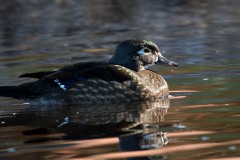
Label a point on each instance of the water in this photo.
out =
(200, 122)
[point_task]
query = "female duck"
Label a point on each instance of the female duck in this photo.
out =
(123, 78)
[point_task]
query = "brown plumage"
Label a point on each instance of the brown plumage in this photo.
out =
(124, 78)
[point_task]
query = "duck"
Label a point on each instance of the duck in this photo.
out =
(124, 78)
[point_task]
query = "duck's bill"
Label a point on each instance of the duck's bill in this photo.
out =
(164, 61)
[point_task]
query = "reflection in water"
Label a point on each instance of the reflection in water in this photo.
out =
(138, 125)
(203, 36)
(137, 142)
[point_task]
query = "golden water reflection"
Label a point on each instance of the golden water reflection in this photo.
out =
(140, 130)
(137, 123)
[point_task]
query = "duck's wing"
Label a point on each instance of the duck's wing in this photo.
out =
(79, 70)
(86, 69)
(74, 76)
(83, 71)
(37, 75)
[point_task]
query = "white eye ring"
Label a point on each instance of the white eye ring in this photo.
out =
(143, 51)
(159, 55)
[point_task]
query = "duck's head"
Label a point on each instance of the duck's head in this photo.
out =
(138, 54)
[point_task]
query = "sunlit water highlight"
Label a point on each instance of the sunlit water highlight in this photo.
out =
(200, 122)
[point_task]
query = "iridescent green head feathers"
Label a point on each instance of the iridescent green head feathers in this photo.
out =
(150, 45)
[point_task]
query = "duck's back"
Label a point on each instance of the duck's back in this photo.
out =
(91, 83)
(142, 85)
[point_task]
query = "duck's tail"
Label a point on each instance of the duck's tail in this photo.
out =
(30, 90)
(10, 91)
(23, 91)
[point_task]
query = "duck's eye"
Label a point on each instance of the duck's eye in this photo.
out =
(146, 50)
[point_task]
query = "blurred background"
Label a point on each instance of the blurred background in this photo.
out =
(190, 32)
(179, 27)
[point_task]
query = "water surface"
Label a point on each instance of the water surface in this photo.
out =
(200, 122)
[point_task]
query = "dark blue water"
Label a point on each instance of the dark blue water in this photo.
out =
(202, 36)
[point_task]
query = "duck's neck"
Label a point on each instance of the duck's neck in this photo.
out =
(130, 64)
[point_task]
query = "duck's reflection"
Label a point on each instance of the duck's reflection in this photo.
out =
(138, 125)
(146, 131)
(139, 141)
(116, 120)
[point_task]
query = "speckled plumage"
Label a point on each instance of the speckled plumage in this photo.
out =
(122, 79)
